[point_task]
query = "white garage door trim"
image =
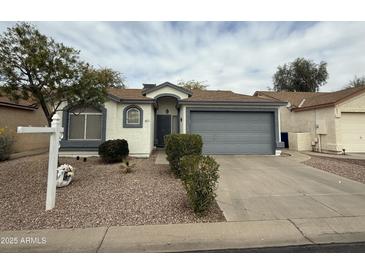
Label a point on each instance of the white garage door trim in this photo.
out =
(272, 129)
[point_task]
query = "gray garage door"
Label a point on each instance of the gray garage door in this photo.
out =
(234, 132)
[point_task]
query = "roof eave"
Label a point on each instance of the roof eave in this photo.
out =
(359, 92)
(168, 84)
(113, 97)
(136, 101)
(297, 109)
(129, 101)
(232, 103)
(11, 105)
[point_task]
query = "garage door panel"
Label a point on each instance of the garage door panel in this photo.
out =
(237, 149)
(238, 138)
(244, 126)
(234, 132)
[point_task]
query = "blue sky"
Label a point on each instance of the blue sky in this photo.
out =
(239, 56)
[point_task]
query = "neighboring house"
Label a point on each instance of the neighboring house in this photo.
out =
(333, 121)
(229, 123)
(23, 113)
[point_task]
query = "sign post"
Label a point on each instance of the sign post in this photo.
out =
(56, 133)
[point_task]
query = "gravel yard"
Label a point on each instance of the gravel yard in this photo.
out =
(348, 168)
(100, 195)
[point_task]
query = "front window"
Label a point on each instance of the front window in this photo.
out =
(85, 124)
(133, 116)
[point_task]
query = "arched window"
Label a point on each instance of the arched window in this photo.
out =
(133, 116)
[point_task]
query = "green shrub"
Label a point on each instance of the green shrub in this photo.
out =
(113, 151)
(179, 145)
(6, 142)
(200, 178)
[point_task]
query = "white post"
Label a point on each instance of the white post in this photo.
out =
(55, 132)
(53, 162)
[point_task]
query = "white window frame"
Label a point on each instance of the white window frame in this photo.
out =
(85, 125)
(139, 116)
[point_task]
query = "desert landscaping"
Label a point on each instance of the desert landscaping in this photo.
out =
(100, 195)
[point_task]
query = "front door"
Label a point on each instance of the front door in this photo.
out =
(163, 128)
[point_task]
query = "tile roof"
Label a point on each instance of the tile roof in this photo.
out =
(223, 96)
(128, 94)
(313, 99)
(294, 98)
(332, 98)
(23, 104)
(197, 96)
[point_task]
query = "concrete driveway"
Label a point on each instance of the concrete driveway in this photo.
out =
(272, 188)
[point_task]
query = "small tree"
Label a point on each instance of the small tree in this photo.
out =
(356, 82)
(193, 84)
(300, 75)
(200, 177)
(33, 65)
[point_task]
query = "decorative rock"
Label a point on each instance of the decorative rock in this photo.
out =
(126, 167)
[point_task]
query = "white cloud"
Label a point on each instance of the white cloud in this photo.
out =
(237, 56)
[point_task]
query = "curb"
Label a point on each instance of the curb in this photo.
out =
(189, 237)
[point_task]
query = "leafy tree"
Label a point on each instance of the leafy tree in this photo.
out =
(356, 82)
(193, 84)
(33, 65)
(300, 75)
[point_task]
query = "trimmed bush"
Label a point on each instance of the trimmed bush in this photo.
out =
(200, 178)
(6, 142)
(114, 151)
(179, 145)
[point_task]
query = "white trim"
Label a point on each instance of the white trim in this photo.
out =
(139, 116)
(301, 103)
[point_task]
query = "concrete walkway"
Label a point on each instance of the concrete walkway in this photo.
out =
(161, 158)
(352, 156)
(188, 237)
(295, 155)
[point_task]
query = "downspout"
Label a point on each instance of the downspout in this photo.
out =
(318, 135)
(279, 124)
(277, 151)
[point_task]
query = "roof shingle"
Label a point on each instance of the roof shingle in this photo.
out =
(331, 98)
(312, 99)
(197, 96)
(223, 96)
(23, 104)
(294, 98)
(128, 93)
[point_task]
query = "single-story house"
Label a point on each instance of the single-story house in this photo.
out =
(324, 121)
(229, 123)
(23, 113)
